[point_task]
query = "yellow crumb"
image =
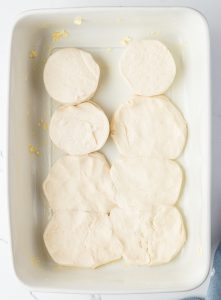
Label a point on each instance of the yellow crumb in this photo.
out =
(125, 41)
(33, 54)
(78, 20)
(33, 150)
(43, 124)
(58, 35)
(35, 260)
(109, 49)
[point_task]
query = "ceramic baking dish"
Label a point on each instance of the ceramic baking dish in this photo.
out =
(103, 32)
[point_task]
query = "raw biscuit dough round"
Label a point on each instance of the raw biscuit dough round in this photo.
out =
(149, 126)
(142, 181)
(71, 76)
(149, 237)
(79, 129)
(81, 239)
(148, 67)
(80, 183)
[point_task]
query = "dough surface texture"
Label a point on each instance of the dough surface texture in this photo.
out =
(149, 126)
(81, 239)
(148, 67)
(80, 183)
(150, 237)
(143, 181)
(71, 76)
(79, 129)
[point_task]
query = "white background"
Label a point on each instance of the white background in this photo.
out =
(10, 287)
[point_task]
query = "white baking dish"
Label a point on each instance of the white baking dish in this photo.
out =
(185, 32)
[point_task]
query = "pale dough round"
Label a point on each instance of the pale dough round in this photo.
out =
(148, 67)
(80, 183)
(79, 129)
(149, 126)
(71, 76)
(81, 239)
(142, 181)
(149, 237)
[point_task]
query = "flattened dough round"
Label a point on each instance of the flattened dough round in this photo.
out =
(81, 239)
(79, 129)
(150, 237)
(80, 183)
(71, 76)
(142, 181)
(149, 126)
(148, 67)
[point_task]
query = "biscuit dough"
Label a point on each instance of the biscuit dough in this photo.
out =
(81, 239)
(149, 126)
(80, 183)
(71, 76)
(142, 181)
(149, 237)
(148, 67)
(79, 129)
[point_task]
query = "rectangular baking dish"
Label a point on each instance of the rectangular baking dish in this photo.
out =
(185, 32)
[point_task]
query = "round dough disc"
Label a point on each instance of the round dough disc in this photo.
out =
(80, 183)
(81, 239)
(79, 129)
(142, 181)
(71, 76)
(149, 237)
(149, 126)
(148, 67)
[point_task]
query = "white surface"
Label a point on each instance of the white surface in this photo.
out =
(29, 103)
(11, 288)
